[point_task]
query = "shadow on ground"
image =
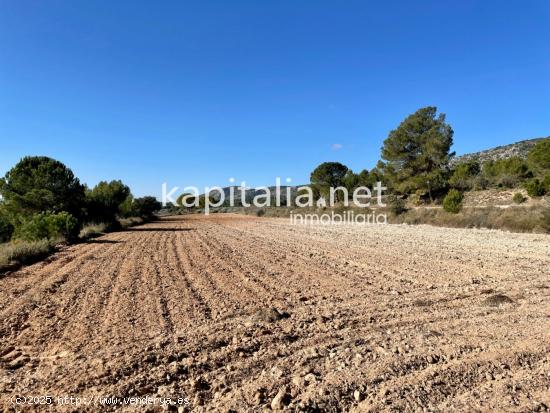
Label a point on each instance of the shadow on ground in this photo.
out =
(156, 229)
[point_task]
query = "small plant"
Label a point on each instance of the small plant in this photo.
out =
(535, 188)
(260, 212)
(519, 198)
(453, 201)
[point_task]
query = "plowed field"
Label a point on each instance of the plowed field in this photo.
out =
(252, 314)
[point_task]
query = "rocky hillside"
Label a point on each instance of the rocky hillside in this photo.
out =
(520, 149)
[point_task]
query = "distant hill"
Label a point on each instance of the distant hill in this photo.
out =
(250, 193)
(520, 149)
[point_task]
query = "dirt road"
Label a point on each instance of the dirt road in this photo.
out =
(252, 314)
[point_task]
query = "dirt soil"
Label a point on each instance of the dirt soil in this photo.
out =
(243, 314)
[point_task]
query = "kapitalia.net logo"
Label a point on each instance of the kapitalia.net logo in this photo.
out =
(297, 198)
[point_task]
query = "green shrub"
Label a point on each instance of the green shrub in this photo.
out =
(453, 201)
(534, 188)
(518, 198)
(24, 252)
(6, 228)
(464, 175)
(146, 206)
(507, 172)
(397, 205)
(106, 200)
(481, 182)
(49, 226)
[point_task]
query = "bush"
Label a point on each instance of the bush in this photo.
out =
(464, 175)
(481, 183)
(146, 206)
(6, 228)
(518, 198)
(260, 212)
(106, 200)
(49, 226)
(507, 172)
(24, 252)
(397, 205)
(453, 201)
(535, 188)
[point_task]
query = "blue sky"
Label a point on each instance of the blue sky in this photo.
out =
(192, 93)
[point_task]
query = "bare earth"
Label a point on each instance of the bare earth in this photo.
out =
(251, 314)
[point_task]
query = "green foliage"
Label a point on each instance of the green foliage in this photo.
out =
(146, 206)
(187, 199)
(397, 205)
(105, 201)
(507, 172)
(416, 154)
(453, 201)
(48, 226)
(539, 156)
(546, 183)
(518, 198)
(39, 183)
(350, 181)
(535, 188)
(6, 227)
(481, 182)
(328, 175)
(463, 176)
(364, 178)
(126, 209)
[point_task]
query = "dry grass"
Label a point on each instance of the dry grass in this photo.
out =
(93, 231)
(14, 254)
(515, 219)
(130, 222)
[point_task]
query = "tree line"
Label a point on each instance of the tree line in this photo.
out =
(416, 165)
(43, 199)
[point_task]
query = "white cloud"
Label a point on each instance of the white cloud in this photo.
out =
(336, 146)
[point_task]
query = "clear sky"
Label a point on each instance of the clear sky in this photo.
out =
(192, 93)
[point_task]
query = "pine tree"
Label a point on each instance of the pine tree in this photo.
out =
(416, 154)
